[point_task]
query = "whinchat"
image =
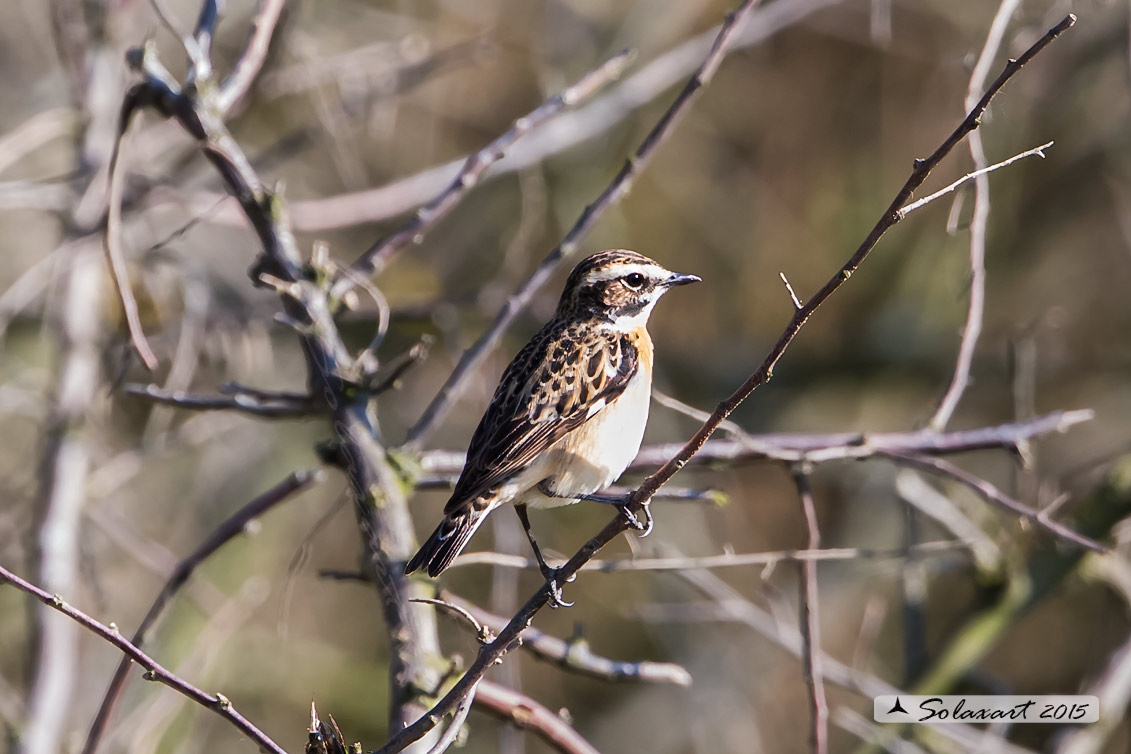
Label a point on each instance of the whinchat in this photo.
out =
(569, 413)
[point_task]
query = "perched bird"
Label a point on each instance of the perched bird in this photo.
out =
(569, 412)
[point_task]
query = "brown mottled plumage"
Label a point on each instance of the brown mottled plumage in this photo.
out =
(569, 412)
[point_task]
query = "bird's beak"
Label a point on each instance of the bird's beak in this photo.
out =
(680, 279)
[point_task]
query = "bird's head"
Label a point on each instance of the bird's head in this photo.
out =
(618, 286)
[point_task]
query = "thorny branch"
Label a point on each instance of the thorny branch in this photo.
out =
(232, 527)
(274, 407)
(823, 448)
(523, 712)
(811, 621)
(218, 703)
(575, 655)
(613, 193)
(377, 256)
(510, 634)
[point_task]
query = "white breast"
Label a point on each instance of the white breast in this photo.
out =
(594, 455)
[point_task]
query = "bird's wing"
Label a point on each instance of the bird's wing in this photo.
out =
(554, 385)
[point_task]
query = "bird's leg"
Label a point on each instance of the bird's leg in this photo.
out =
(621, 501)
(551, 574)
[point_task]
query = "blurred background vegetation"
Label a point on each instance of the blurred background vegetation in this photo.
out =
(783, 166)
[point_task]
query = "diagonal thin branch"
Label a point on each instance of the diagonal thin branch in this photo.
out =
(218, 703)
(726, 560)
(378, 255)
(978, 223)
(613, 193)
(459, 717)
(239, 81)
(994, 495)
(133, 102)
(812, 668)
(973, 176)
(491, 653)
(244, 402)
(575, 655)
(526, 713)
(228, 530)
(821, 448)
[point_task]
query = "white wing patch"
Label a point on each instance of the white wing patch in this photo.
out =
(597, 406)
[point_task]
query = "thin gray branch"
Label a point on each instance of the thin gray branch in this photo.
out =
(574, 655)
(378, 255)
(218, 703)
(246, 402)
(235, 525)
(978, 223)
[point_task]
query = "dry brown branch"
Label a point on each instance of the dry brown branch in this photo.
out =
(378, 255)
(573, 655)
(240, 400)
(610, 197)
(568, 130)
(726, 560)
(250, 62)
(821, 448)
(53, 662)
(218, 703)
(978, 223)
(506, 639)
(992, 494)
(381, 510)
(231, 528)
(115, 256)
(525, 713)
(811, 622)
(974, 176)
(33, 133)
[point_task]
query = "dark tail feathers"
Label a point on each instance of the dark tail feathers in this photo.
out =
(446, 542)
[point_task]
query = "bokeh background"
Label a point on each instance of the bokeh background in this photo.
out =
(783, 165)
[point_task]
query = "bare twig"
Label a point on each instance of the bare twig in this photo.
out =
(243, 401)
(491, 653)
(613, 193)
(820, 448)
(573, 655)
(973, 176)
(218, 703)
(381, 510)
(569, 129)
(231, 528)
(482, 632)
(526, 713)
(992, 494)
(58, 517)
(236, 86)
(811, 621)
(789, 289)
(378, 255)
(459, 717)
(114, 254)
(726, 560)
(41, 128)
(978, 224)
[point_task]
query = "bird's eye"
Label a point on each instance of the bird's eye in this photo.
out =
(633, 281)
